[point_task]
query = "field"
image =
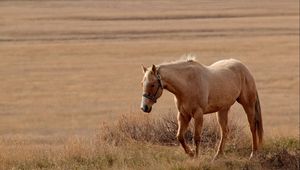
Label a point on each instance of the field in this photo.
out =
(68, 66)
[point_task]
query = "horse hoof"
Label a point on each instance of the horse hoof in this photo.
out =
(217, 156)
(191, 153)
(253, 156)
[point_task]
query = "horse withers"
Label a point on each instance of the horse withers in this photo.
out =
(200, 90)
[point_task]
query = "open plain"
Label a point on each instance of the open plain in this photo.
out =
(66, 66)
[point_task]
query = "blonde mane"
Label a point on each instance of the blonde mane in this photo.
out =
(183, 59)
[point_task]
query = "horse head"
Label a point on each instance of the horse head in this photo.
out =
(152, 88)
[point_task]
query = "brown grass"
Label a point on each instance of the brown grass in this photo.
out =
(119, 146)
(67, 65)
(163, 130)
(59, 58)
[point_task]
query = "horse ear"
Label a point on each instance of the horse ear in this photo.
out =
(144, 68)
(153, 69)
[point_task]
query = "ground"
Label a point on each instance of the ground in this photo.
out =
(66, 66)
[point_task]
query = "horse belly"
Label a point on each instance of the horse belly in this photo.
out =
(222, 98)
(220, 105)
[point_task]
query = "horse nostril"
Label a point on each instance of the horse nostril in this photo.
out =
(145, 108)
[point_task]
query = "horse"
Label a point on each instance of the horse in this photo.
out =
(198, 90)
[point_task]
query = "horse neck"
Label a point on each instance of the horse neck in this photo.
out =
(172, 81)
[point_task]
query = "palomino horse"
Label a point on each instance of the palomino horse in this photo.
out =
(200, 90)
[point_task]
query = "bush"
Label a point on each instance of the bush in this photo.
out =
(163, 130)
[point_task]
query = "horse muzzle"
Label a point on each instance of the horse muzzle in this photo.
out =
(146, 109)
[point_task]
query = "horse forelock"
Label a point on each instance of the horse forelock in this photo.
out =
(149, 76)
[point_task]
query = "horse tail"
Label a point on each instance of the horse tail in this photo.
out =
(258, 120)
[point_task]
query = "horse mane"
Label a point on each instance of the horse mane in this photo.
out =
(186, 58)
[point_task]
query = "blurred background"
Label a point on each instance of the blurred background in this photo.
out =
(66, 66)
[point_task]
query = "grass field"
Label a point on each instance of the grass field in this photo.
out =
(67, 66)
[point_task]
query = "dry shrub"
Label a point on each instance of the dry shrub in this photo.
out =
(141, 128)
(280, 159)
(162, 131)
(281, 153)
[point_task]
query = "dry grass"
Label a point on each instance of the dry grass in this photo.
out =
(163, 130)
(65, 86)
(132, 144)
(68, 65)
(59, 58)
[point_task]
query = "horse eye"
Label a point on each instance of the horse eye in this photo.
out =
(152, 85)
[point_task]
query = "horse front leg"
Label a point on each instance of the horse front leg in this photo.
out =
(183, 123)
(198, 128)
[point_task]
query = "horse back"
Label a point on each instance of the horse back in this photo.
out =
(227, 80)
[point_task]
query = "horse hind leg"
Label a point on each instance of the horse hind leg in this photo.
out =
(183, 123)
(250, 111)
(222, 117)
